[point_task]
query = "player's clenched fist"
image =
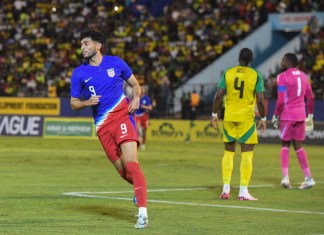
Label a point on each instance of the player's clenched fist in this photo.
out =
(94, 100)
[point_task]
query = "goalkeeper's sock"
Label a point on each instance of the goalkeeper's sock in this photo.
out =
(227, 166)
(134, 171)
(303, 162)
(246, 168)
(284, 155)
(123, 174)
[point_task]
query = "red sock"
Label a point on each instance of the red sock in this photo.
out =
(134, 171)
(123, 174)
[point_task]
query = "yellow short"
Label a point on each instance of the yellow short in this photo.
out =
(242, 132)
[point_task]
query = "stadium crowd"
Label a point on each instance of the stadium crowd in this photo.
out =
(311, 57)
(165, 42)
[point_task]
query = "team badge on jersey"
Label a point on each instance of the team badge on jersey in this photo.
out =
(111, 72)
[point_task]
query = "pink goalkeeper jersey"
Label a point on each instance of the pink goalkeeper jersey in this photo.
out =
(293, 88)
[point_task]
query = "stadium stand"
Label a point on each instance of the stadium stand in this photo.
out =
(311, 60)
(312, 56)
(165, 42)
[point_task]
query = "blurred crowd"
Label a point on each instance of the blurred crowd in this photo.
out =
(164, 41)
(311, 57)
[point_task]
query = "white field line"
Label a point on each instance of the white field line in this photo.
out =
(179, 189)
(91, 195)
(149, 190)
(163, 190)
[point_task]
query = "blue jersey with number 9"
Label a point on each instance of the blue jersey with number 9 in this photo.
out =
(105, 80)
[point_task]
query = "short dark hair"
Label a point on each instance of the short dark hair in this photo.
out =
(246, 55)
(292, 59)
(93, 34)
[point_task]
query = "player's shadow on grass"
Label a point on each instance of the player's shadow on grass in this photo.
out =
(110, 211)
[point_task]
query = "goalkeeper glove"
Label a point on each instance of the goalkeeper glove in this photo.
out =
(275, 121)
(309, 123)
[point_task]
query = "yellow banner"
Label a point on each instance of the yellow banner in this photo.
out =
(175, 130)
(29, 106)
(184, 130)
(203, 131)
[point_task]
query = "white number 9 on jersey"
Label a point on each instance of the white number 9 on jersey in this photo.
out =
(123, 127)
(92, 90)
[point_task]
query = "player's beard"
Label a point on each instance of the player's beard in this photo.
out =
(90, 55)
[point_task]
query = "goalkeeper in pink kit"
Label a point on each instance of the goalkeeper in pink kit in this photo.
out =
(290, 115)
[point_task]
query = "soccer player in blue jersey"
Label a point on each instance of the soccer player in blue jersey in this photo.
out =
(142, 115)
(99, 80)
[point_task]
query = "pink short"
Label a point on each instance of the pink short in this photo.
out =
(111, 136)
(292, 130)
(143, 120)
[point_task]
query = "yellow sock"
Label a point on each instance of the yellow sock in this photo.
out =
(227, 166)
(246, 168)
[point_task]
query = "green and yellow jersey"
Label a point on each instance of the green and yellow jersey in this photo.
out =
(241, 83)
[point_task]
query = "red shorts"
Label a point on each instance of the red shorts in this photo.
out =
(292, 130)
(143, 120)
(112, 135)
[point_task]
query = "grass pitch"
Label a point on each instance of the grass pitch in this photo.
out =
(54, 186)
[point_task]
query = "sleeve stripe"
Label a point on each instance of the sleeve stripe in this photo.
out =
(281, 88)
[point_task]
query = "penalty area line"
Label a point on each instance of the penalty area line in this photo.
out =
(88, 195)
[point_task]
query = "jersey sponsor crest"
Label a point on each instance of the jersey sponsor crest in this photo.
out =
(111, 72)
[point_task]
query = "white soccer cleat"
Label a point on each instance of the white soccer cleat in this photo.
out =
(246, 197)
(224, 196)
(308, 183)
(285, 182)
(142, 222)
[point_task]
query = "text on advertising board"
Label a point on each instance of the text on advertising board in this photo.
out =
(21, 125)
(29, 106)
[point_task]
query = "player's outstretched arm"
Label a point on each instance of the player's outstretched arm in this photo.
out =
(260, 104)
(133, 83)
(147, 107)
(77, 104)
(217, 102)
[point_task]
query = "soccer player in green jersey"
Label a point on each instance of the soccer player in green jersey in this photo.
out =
(244, 88)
